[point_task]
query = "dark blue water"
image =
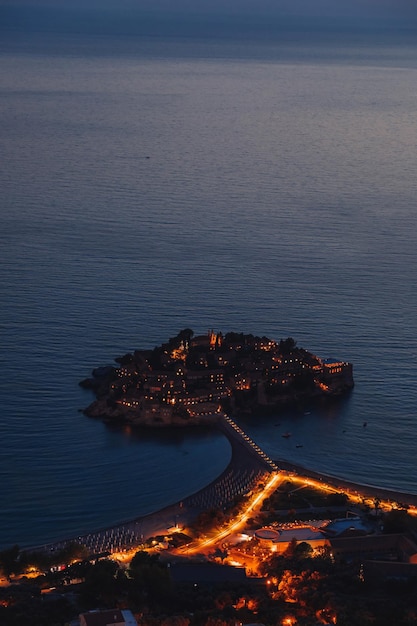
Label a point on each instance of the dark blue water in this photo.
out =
(264, 189)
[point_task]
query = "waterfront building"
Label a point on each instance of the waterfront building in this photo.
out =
(112, 617)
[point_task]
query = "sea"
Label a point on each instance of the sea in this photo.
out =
(154, 184)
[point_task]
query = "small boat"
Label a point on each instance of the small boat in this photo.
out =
(299, 445)
(286, 435)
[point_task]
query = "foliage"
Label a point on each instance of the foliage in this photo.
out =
(303, 550)
(209, 519)
(286, 346)
(23, 604)
(179, 539)
(337, 499)
(150, 578)
(289, 496)
(9, 561)
(43, 560)
(399, 521)
(100, 579)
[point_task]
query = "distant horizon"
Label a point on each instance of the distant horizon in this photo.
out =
(203, 19)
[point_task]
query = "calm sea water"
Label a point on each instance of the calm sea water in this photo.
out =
(147, 188)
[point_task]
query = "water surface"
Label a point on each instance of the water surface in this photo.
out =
(147, 188)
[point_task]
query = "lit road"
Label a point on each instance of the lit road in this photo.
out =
(254, 505)
(355, 493)
(237, 524)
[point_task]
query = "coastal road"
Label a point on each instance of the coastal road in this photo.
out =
(238, 524)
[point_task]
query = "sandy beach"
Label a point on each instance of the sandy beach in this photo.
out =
(245, 470)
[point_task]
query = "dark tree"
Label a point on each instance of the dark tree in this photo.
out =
(150, 578)
(186, 334)
(9, 561)
(398, 521)
(337, 499)
(303, 550)
(101, 579)
(286, 346)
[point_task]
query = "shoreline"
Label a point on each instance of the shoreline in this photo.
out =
(349, 486)
(401, 497)
(242, 471)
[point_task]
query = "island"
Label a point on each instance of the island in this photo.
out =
(194, 380)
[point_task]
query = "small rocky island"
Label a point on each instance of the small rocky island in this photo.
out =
(193, 380)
